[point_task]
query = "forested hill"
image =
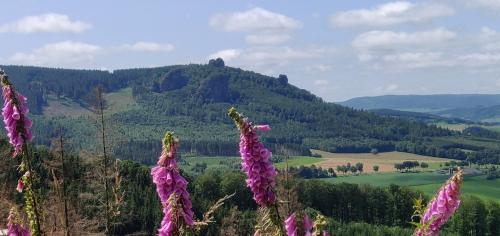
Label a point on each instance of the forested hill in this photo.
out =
(193, 101)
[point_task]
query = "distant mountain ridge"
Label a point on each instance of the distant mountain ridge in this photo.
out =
(437, 101)
(474, 107)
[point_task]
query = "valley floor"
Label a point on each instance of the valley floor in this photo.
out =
(426, 180)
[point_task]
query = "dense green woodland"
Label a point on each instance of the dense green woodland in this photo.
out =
(193, 100)
(351, 209)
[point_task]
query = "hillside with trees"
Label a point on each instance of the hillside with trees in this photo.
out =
(194, 99)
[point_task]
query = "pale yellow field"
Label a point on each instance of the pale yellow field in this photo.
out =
(385, 160)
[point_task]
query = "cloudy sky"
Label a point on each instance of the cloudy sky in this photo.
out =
(335, 49)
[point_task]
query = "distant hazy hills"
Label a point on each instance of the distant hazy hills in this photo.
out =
(474, 107)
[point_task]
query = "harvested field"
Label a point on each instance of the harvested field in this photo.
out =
(385, 160)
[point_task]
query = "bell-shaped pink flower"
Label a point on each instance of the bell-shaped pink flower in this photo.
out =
(293, 230)
(172, 189)
(20, 182)
(20, 185)
(442, 207)
(263, 128)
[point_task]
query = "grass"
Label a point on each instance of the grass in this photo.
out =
(385, 160)
(119, 101)
(427, 182)
(210, 161)
(220, 163)
(64, 107)
(122, 100)
(385, 179)
(493, 127)
(477, 186)
(299, 161)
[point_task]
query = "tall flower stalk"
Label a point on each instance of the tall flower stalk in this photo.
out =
(441, 207)
(172, 190)
(256, 163)
(18, 126)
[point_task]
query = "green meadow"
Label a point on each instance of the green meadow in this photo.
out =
(427, 182)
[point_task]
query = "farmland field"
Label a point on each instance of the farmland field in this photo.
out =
(386, 179)
(299, 161)
(461, 127)
(427, 182)
(455, 127)
(478, 186)
(385, 160)
(217, 162)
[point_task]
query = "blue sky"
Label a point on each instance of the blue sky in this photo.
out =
(335, 49)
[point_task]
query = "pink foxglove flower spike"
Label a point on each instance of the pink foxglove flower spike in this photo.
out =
(172, 190)
(442, 207)
(15, 116)
(256, 161)
(13, 228)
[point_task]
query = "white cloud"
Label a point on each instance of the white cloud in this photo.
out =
(148, 47)
(321, 82)
(414, 60)
(266, 38)
(422, 50)
(479, 59)
(278, 54)
(418, 60)
(67, 53)
(227, 54)
(268, 59)
(374, 39)
(50, 22)
(321, 68)
(495, 4)
(487, 32)
(254, 20)
(391, 87)
(391, 13)
(493, 46)
(489, 39)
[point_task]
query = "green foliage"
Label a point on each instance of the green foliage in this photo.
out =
(142, 210)
(470, 218)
